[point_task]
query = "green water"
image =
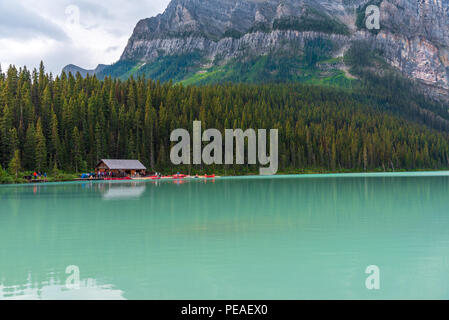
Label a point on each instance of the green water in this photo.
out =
(240, 238)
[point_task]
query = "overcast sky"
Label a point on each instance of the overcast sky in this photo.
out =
(59, 32)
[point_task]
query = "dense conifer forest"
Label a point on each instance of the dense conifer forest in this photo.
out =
(67, 123)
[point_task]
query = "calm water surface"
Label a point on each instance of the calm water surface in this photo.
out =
(239, 238)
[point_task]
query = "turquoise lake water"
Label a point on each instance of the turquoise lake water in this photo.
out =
(298, 237)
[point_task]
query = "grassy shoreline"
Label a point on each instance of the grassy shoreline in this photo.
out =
(6, 178)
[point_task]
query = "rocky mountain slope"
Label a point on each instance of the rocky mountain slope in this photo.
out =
(199, 41)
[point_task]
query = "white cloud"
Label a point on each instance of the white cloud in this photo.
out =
(85, 33)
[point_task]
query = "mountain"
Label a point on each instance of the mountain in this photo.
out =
(196, 41)
(75, 69)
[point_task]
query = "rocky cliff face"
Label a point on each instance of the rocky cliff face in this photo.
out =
(415, 38)
(188, 25)
(414, 34)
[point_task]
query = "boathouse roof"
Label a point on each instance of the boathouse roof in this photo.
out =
(114, 164)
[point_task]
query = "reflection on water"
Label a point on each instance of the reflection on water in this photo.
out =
(260, 238)
(119, 191)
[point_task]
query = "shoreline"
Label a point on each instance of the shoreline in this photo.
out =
(368, 174)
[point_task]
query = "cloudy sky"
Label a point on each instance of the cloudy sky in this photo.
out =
(60, 32)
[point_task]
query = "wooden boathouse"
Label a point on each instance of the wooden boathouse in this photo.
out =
(120, 167)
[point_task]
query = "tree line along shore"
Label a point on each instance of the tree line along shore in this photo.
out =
(62, 125)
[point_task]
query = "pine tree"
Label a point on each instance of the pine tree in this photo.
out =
(5, 139)
(55, 142)
(2, 174)
(333, 157)
(55, 170)
(42, 78)
(149, 122)
(161, 157)
(99, 142)
(13, 140)
(45, 111)
(15, 165)
(76, 150)
(41, 147)
(29, 149)
(365, 157)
